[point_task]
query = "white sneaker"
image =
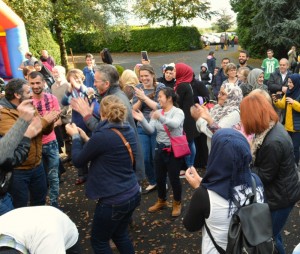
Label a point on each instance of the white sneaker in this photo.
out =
(182, 174)
(150, 187)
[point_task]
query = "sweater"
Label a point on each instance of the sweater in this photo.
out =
(173, 119)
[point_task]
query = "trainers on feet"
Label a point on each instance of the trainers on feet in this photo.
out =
(182, 174)
(149, 188)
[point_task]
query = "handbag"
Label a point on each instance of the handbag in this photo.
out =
(179, 144)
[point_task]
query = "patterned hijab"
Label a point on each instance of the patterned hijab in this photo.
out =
(232, 103)
(253, 77)
(184, 74)
(294, 93)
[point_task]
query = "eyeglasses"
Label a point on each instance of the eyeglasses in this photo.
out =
(99, 80)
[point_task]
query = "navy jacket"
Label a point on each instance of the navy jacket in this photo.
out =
(111, 173)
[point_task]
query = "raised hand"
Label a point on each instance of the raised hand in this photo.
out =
(71, 129)
(193, 178)
(82, 106)
(26, 110)
(52, 116)
(137, 115)
(34, 128)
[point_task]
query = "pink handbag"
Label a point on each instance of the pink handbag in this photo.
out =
(179, 144)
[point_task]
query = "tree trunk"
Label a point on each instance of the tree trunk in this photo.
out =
(61, 43)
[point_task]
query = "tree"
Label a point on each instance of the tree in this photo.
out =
(63, 17)
(267, 24)
(224, 22)
(172, 10)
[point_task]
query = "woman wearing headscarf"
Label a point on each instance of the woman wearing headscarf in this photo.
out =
(272, 160)
(228, 176)
(255, 80)
(291, 103)
(223, 115)
(183, 88)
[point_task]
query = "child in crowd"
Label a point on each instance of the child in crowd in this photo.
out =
(77, 89)
(88, 70)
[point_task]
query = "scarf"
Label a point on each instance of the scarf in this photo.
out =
(294, 93)
(184, 74)
(253, 77)
(232, 103)
(258, 140)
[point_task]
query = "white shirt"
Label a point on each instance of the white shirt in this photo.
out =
(41, 229)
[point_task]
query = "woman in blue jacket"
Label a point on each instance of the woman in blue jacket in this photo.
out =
(111, 178)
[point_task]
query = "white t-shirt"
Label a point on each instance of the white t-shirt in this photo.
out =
(41, 229)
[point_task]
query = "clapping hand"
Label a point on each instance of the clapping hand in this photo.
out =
(82, 106)
(71, 129)
(26, 110)
(193, 178)
(137, 115)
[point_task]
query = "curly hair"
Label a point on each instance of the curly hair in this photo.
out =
(113, 109)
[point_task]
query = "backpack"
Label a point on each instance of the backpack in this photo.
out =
(250, 229)
(106, 56)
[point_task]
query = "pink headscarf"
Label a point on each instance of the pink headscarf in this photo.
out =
(184, 74)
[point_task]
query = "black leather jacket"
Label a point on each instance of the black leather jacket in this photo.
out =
(275, 165)
(276, 83)
(20, 154)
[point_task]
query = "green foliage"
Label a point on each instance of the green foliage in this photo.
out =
(165, 39)
(44, 41)
(172, 10)
(264, 24)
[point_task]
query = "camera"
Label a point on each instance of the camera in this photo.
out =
(278, 95)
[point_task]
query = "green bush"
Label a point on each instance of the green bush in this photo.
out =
(43, 40)
(165, 39)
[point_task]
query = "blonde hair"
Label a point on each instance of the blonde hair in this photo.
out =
(128, 77)
(75, 73)
(230, 66)
(113, 109)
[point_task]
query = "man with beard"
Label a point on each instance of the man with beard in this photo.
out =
(243, 59)
(29, 178)
(47, 103)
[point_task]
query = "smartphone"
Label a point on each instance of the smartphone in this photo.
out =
(144, 55)
(278, 96)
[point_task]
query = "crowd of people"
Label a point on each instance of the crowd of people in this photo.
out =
(117, 130)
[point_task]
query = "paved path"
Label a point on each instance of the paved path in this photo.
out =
(156, 233)
(193, 58)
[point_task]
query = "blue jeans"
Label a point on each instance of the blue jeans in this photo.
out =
(148, 143)
(111, 222)
(6, 204)
(296, 144)
(190, 159)
(29, 181)
(51, 164)
(279, 218)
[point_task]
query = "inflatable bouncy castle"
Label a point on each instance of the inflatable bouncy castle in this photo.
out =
(13, 43)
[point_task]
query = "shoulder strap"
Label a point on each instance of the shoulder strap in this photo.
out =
(219, 248)
(126, 143)
(165, 127)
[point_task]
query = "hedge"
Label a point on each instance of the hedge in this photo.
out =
(165, 39)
